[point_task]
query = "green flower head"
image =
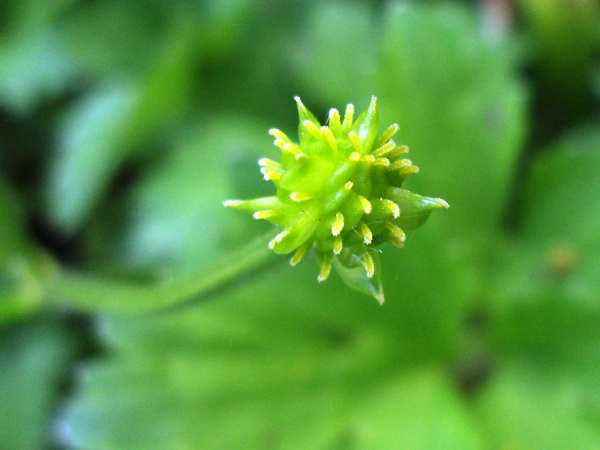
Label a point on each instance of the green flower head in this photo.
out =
(339, 193)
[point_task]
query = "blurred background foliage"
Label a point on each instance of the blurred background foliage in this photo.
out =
(124, 125)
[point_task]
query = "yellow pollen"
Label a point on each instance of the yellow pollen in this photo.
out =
(233, 203)
(277, 239)
(398, 152)
(337, 245)
(338, 224)
(396, 231)
(313, 129)
(381, 162)
(300, 252)
(392, 207)
(291, 148)
(266, 162)
(264, 214)
(366, 233)
(335, 120)
(366, 204)
(348, 185)
(387, 134)
(325, 267)
(329, 136)
(348, 117)
(384, 149)
(278, 134)
(355, 156)
(300, 196)
(270, 174)
(369, 265)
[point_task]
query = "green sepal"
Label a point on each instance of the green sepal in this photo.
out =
(366, 126)
(354, 275)
(414, 209)
(304, 114)
(299, 230)
(256, 204)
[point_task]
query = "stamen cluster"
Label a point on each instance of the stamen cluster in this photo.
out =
(338, 190)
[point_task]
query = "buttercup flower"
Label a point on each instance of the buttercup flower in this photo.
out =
(339, 193)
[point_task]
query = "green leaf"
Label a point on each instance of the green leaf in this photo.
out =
(258, 368)
(34, 359)
(169, 220)
(460, 107)
(545, 312)
(561, 210)
(103, 129)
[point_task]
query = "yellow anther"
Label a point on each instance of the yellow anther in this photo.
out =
(300, 252)
(337, 245)
(366, 233)
(266, 162)
(281, 144)
(335, 120)
(355, 156)
(325, 267)
(277, 239)
(355, 141)
(291, 148)
(392, 207)
(278, 134)
(329, 136)
(313, 129)
(369, 265)
(399, 165)
(387, 134)
(348, 117)
(397, 152)
(270, 174)
(368, 159)
(366, 204)
(384, 149)
(396, 234)
(348, 185)
(381, 162)
(233, 203)
(264, 214)
(338, 224)
(300, 196)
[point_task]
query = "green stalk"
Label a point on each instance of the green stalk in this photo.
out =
(90, 293)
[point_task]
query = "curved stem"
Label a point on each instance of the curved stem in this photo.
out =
(90, 293)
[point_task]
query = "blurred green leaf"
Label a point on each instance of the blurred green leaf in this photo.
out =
(173, 218)
(103, 129)
(257, 368)
(34, 360)
(33, 65)
(562, 208)
(564, 41)
(545, 308)
(460, 108)
(22, 269)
